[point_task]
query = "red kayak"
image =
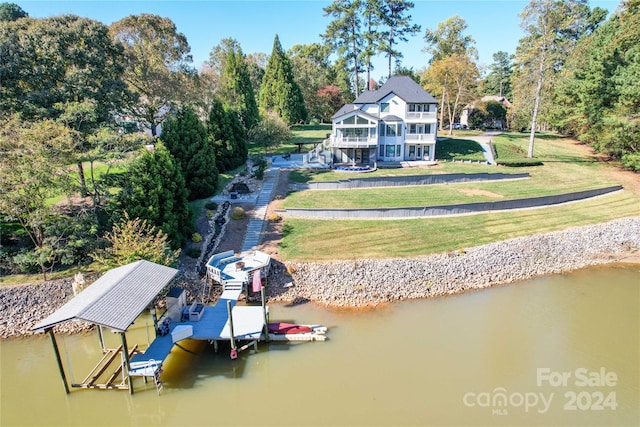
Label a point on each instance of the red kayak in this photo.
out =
(288, 328)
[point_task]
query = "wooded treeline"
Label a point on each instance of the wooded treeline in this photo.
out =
(75, 96)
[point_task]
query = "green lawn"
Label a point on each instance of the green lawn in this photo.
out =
(299, 133)
(318, 240)
(567, 167)
(459, 149)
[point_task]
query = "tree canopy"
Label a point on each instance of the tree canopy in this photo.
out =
(156, 65)
(155, 190)
(186, 138)
(597, 96)
(11, 12)
(552, 29)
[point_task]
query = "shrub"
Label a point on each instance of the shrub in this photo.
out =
(209, 214)
(238, 213)
(196, 238)
(212, 206)
(274, 217)
(631, 162)
(519, 163)
(193, 252)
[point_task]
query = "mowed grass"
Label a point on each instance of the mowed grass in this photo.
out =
(327, 240)
(308, 134)
(567, 167)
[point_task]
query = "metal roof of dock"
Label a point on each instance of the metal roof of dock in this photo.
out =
(116, 299)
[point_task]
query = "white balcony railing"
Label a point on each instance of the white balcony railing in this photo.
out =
(353, 141)
(420, 137)
(421, 116)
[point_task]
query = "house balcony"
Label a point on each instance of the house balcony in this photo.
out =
(353, 142)
(417, 138)
(421, 116)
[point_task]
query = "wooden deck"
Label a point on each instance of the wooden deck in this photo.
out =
(214, 325)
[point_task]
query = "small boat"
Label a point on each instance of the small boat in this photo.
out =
(292, 332)
(288, 328)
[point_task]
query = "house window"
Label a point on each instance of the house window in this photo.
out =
(384, 107)
(382, 151)
(361, 121)
(412, 150)
(349, 120)
(391, 149)
(391, 130)
(398, 147)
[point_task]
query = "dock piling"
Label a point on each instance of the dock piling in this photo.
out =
(234, 351)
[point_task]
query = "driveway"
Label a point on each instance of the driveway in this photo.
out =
(485, 142)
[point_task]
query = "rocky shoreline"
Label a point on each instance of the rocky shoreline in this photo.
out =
(367, 283)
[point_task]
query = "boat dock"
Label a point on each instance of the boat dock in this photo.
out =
(116, 299)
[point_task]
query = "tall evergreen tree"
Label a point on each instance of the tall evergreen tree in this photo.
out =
(279, 91)
(227, 136)
(373, 11)
(345, 35)
(398, 25)
(236, 90)
(186, 139)
(498, 81)
(597, 96)
(155, 191)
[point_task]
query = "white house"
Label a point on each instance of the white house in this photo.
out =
(394, 123)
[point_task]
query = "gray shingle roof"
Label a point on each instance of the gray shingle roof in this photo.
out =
(403, 86)
(116, 298)
(351, 108)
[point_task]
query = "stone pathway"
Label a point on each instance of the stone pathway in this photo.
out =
(257, 221)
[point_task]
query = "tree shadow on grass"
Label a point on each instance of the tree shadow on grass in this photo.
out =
(457, 149)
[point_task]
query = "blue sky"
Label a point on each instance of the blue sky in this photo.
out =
(254, 23)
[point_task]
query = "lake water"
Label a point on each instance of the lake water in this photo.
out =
(560, 350)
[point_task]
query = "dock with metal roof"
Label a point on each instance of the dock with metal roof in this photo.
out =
(116, 299)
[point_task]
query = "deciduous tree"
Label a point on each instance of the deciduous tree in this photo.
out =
(271, 131)
(58, 68)
(457, 77)
(34, 158)
(134, 239)
(552, 29)
(157, 65)
(448, 39)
